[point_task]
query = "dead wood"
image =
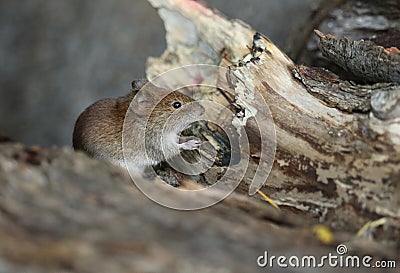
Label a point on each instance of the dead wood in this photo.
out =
(372, 21)
(342, 168)
(364, 59)
(343, 95)
(61, 211)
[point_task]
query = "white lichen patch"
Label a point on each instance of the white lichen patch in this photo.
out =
(245, 95)
(389, 128)
(333, 171)
(282, 163)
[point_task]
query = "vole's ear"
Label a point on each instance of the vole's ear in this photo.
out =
(150, 93)
(137, 84)
(145, 93)
(147, 97)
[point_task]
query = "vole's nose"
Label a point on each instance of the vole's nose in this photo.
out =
(199, 108)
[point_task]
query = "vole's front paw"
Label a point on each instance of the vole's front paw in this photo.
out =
(189, 143)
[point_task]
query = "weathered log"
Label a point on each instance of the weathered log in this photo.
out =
(343, 168)
(343, 95)
(61, 211)
(375, 21)
(366, 60)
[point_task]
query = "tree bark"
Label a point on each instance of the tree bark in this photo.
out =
(341, 167)
(61, 211)
(336, 169)
(374, 21)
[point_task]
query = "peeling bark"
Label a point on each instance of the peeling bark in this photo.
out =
(340, 167)
(364, 59)
(345, 95)
(375, 21)
(61, 211)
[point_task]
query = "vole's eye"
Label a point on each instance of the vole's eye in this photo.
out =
(176, 104)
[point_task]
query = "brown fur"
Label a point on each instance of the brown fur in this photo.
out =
(98, 130)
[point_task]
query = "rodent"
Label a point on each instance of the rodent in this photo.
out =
(98, 130)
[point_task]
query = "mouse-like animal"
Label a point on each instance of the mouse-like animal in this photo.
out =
(99, 129)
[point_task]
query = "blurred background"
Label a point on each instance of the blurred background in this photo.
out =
(59, 56)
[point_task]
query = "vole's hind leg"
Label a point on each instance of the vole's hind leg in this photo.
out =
(189, 143)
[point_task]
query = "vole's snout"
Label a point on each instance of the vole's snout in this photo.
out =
(196, 108)
(185, 116)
